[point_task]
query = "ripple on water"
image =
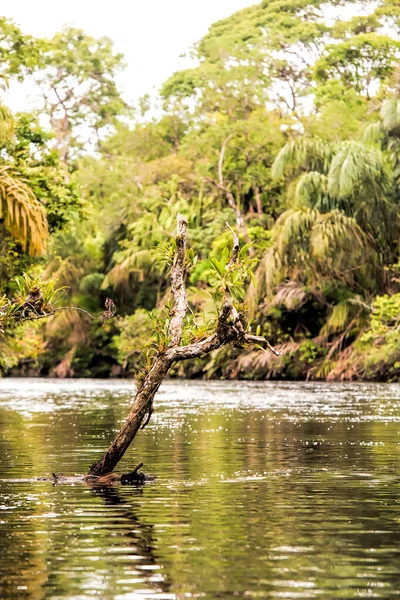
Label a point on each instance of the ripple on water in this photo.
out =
(263, 490)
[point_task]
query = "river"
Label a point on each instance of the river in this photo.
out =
(262, 490)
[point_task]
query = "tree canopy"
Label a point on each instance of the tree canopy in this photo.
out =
(288, 124)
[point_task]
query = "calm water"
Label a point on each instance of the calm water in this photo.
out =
(263, 490)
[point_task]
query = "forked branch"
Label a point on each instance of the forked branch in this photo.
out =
(229, 329)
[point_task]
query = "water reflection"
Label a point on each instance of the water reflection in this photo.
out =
(262, 490)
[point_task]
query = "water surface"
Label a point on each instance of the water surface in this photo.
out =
(263, 490)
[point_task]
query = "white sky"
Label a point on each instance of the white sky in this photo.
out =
(150, 33)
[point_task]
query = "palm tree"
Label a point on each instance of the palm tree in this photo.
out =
(334, 243)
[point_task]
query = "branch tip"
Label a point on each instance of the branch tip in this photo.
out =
(258, 339)
(182, 224)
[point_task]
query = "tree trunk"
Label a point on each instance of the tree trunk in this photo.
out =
(140, 407)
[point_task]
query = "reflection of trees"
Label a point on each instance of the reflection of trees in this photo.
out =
(21, 561)
(104, 547)
(311, 517)
(50, 441)
(108, 548)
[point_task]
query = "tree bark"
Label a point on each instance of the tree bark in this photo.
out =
(140, 406)
(229, 329)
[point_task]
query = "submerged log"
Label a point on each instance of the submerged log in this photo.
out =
(133, 477)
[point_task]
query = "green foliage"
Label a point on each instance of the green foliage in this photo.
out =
(364, 60)
(378, 348)
(289, 122)
(353, 166)
(19, 53)
(226, 277)
(33, 299)
(76, 74)
(390, 114)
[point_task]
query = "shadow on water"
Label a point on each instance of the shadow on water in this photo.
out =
(141, 536)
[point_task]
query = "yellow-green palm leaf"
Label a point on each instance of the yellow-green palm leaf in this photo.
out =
(6, 124)
(23, 214)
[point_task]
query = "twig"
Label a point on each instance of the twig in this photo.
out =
(50, 314)
(105, 315)
(258, 339)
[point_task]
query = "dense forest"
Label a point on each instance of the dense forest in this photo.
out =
(288, 122)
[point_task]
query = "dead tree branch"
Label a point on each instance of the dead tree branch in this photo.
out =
(178, 280)
(240, 224)
(229, 329)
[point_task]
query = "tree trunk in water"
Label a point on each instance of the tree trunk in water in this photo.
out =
(140, 407)
(162, 364)
(229, 329)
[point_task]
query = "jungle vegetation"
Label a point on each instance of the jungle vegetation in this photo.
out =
(288, 122)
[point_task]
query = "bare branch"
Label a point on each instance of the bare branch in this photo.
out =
(258, 339)
(178, 278)
(53, 312)
(229, 329)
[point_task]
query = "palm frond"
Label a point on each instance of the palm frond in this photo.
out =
(353, 165)
(336, 231)
(308, 153)
(23, 214)
(267, 275)
(294, 226)
(390, 114)
(311, 189)
(134, 262)
(372, 134)
(7, 124)
(65, 272)
(338, 319)
(291, 294)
